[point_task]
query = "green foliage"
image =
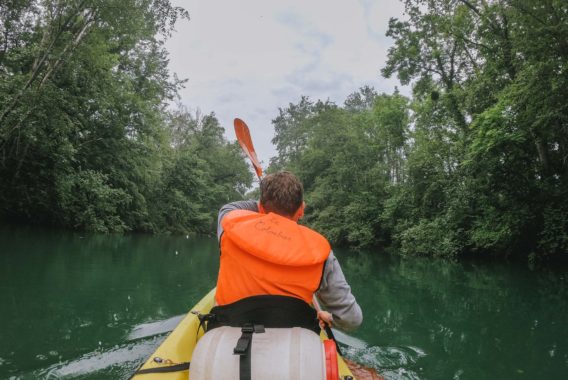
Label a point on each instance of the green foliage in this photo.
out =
(430, 238)
(554, 236)
(89, 203)
(346, 158)
(202, 173)
(487, 164)
(86, 138)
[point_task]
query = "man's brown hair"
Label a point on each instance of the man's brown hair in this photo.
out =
(281, 193)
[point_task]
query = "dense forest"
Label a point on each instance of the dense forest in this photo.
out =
(87, 140)
(476, 161)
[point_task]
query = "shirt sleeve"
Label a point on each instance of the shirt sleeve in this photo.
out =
(238, 205)
(336, 297)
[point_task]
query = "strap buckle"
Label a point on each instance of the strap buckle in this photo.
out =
(244, 342)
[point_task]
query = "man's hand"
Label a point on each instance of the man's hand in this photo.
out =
(325, 318)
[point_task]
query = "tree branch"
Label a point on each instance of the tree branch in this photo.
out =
(69, 48)
(39, 64)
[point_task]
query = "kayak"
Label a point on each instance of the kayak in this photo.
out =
(171, 360)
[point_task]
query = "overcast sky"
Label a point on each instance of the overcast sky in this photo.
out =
(247, 58)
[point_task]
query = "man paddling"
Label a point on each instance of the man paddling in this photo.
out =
(270, 262)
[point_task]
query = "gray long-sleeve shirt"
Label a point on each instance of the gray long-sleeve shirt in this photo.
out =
(334, 291)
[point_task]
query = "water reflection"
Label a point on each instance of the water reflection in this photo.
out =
(72, 301)
(434, 319)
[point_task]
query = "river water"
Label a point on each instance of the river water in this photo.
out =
(94, 307)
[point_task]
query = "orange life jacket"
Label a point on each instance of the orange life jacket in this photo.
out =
(268, 254)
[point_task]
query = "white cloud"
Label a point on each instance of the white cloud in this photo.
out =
(248, 58)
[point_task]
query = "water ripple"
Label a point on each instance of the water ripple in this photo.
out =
(115, 362)
(145, 330)
(391, 362)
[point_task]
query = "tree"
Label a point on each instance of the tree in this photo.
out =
(85, 138)
(201, 173)
(487, 164)
(347, 159)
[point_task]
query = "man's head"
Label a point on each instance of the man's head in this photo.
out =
(282, 193)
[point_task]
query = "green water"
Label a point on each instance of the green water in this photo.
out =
(94, 307)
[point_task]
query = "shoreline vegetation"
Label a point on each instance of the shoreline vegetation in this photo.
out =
(475, 162)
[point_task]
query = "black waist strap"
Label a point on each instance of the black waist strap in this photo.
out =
(267, 310)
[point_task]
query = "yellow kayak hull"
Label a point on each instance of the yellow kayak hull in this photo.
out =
(178, 346)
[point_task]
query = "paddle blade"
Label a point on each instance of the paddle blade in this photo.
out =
(245, 141)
